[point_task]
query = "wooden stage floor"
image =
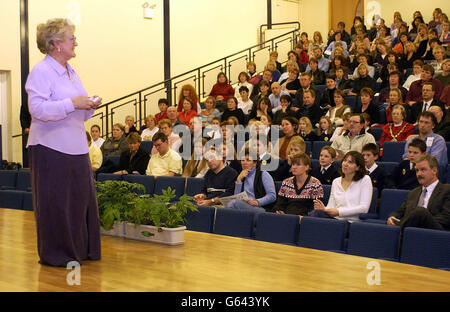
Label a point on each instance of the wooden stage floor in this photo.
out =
(205, 263)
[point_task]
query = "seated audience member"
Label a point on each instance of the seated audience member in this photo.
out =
(219, 181)
(284, 111)
(117, 144)
(95, 134)
(445, 33)
(306, 84)
(222, 90)
(395, 98)
(305, 130)
(210, 112)
(327, 171)
(163, 104)
(230, 158)
(431, 195)
(428, 100)
(367, 123)
(343, 83)
(267, 78)
(394, 83)
(291, 84)
(338, 62)
(276, 96)
(302, 56)
(172, 115)
(421, 40)
(400, 47)
(272, 66)
(390, 66)
(444, 76)
(354, 138)
(174, 140)
(403, 176)
(289, 127)
(263, 107)
(415, 91)
(129, 125)
(134, 160)
(398, 129)
(363, 80)
(297, 194)
(443, 124)
(243, 79)
(187, 91)
(322, 63)
(368, 106)
(351, 194)
(233, 110)
(255, 77)
(290, 65)
(445, 98)
(337, 112)
(435, 53)
(188, 112)
(317, 42)
(95, 154)
(196, 166)
(151, 128)
(296, 145)
(377, 174)
(273, 55)
(362, 59)
(410, 55)
(325, 129)
(317, 75)
(165, 162)
(435, 143)
(244, 101)
(327, 98)
(258, 185)
(332, 45)
(264, 88)
(342, 130)
(310, 108)
(416, 74)
(344, 35)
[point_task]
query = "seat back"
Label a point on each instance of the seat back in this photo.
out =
(147, 181)
(27, 203)
(277, 228)
(326, 193)
(11, 199)
(147, 146)
(376, 132)
(176, 183)
(23, 181)
(234, 222)
(390, 201)
(373, 240)
(393, 151)
(278, 185)
(201, 220)
(322, 233)
(425, 247)
(317, 147)
(194, 186)
(102, 177)
(8, 179)
(387, 166)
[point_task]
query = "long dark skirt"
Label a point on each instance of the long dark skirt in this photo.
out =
(65, 206)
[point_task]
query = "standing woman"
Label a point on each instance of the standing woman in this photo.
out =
(64, 196)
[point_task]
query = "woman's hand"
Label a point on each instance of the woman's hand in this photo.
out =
(318, 205)
(242, 175)
(332, 212)
(252, 202)
(82, 102)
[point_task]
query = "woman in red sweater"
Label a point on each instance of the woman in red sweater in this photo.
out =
(222, 90)
(187, 91)
(188, 112)
(398, 129)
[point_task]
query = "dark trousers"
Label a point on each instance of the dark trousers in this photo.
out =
(422, 218)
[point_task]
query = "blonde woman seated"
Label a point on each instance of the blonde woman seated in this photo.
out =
(95, 154)
(351, 193)
(337, 112)
(147, 133)
(196, 166)
(305, 129)
(298, 193)
(325, 129)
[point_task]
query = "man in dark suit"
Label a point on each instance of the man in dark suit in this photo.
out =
(305, 83)
(427, 206)
(443, 124)
(422, 106)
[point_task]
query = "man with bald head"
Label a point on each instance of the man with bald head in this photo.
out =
(172, 115)
(276, 96)
(443, 124)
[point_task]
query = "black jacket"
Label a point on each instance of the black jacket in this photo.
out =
(138, 163)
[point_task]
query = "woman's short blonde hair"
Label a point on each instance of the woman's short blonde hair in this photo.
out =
(307, 121)
(52, 30)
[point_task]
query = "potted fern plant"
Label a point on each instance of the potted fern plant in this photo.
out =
(158, 218)
(114, 199)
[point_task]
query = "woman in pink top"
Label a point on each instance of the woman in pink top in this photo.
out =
(64, 196)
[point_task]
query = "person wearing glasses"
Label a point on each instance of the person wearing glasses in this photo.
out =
(64, 196)
(354, 138)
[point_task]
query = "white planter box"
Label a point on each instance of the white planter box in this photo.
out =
(117, 230)
(149, 233)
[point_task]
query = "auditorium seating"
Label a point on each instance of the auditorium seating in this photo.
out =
(176, 183)
(11, 199)
(147, 146)
(322, 233)
(393, 151)
(390, 201)
(233, 222)
(23, 180)
(317, 147)
(8, 179)
(277, 228)
(147, 181)
(201, 220)
(194, 186)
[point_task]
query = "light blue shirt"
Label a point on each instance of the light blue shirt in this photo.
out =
(323, 64)
(436, 147)
(275, 101)
(268, 183)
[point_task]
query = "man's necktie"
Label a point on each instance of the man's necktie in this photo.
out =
(422, 198)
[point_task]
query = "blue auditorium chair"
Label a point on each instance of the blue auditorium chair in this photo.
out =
(194, 186)
(388, 166)
(321, 89)
(8, 179)
(23, 180)
(393, 151)
(115, 160)
(373, 240)
(322, 233)
(308, 147)
(147, 181)
(376, 132)
(326, 193)
(27, 203)
(102, 177)
(277, 228)
(278, 185)
(201, 220)
(317, 147)
(315, 163)
(448, 173)
(176, 183)
(11, 199)
(425, 247)
(233, 222)
(147, 146)
(351, 101)
(390, 201)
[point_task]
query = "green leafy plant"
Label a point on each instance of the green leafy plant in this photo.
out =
(114, 199)
(159, 210)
